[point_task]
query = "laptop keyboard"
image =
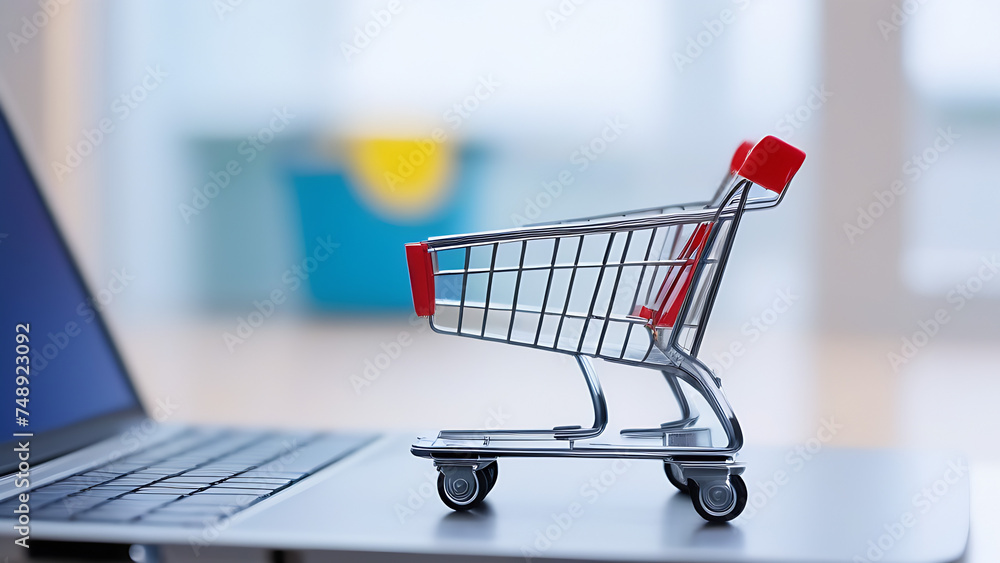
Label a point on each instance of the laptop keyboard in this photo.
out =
(193, 479)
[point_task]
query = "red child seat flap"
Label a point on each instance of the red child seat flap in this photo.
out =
(676, 282)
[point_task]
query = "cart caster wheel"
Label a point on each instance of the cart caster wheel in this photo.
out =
(492, 471)
(717, 501)
(673, 475)
(462, 488)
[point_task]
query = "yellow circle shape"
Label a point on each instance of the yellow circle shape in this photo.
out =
(402, 177)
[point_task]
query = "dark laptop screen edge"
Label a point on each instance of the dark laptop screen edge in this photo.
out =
(53, 443)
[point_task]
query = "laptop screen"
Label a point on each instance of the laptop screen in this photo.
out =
(64, 370)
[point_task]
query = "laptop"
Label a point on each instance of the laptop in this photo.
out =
(74, 410)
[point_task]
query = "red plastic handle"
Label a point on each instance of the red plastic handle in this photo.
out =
(418, 260)
(740, 156)
(772, 163)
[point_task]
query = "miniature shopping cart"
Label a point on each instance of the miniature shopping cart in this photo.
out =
(634, 288)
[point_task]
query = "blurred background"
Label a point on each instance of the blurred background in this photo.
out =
(215, 155)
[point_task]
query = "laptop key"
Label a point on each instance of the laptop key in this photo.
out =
(116, 511)
(134, 499)
(256, 486)
(251, 481)
(152, 492)
(174, 486)
(267, 474)
(105, 491)
(224, 491)
(77, 503)
(190, 480)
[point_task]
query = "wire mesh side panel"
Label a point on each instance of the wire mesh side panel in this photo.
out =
(580, 294)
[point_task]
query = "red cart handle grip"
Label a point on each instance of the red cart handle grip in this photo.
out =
(418, 260)
(771, 163)
(740, 156)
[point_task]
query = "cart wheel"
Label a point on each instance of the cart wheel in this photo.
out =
(718, 501)
(492, 471)
(463, 488)
(673, 475)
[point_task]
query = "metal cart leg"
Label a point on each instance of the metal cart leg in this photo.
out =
(689, 414)
(559, 432)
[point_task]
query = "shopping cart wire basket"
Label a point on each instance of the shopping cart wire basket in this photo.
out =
(635, 288)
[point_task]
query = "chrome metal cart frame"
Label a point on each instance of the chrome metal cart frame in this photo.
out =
(635, 288)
